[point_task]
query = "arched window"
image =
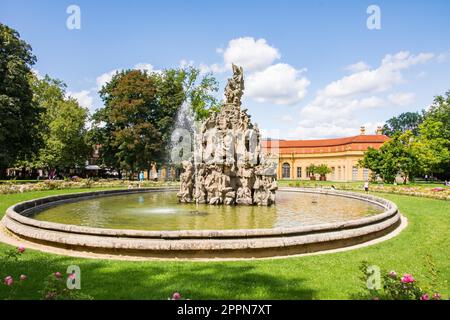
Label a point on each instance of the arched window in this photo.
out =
(286, 173)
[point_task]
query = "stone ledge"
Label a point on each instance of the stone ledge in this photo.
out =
(202, 243)
(15, 213)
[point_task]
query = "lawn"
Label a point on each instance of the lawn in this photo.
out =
(328, 276)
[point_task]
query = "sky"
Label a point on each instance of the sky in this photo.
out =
(313, 69)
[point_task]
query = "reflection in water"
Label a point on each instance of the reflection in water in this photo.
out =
(161, 211)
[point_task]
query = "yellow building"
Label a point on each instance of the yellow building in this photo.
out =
(341, 155)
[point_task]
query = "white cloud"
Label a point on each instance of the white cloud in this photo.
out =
(287, 118)
(279, 84)
(381, 79)
(184, 63)
(214, 68)
(83, 97)
(421, 74)
(251, 54)
(336, 108)
(443, 57)
(402, 98)
(357, 67)
(145, 67)
(105, 78)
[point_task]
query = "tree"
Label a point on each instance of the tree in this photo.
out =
(322, 170)
(433, 143)
(311, 171)
(200, 93)
(62, 127)
(440, 111)
(432, 149)
(19, 116)
(405, 121)
(395, 157)
(135, 126)
(131, 118)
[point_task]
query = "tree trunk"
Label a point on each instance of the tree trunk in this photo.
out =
(2, 173)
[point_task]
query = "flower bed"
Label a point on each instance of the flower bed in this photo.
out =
(441, 193)
(9, 188)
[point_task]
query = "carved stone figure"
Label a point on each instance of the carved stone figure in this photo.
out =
(200, 189)
(235, 86)
(186, 182)
(230, 168)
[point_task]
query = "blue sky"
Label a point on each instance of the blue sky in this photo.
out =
(313, 68)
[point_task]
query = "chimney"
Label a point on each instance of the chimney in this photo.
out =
(378, 132)
(362, 130)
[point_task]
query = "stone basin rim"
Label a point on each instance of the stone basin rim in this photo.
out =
(16, 211)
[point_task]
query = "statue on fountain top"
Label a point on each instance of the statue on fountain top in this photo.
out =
(235, 86)
(230, 167)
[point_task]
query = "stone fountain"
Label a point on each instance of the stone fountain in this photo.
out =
(228, 165)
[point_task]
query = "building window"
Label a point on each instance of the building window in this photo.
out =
(339, 173)
(299, 172)
(354, 173)
(333, 173)
(286, 174)
(366, 174)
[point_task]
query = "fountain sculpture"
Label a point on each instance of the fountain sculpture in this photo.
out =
(228, 165)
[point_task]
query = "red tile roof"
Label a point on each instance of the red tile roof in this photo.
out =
(360, 142)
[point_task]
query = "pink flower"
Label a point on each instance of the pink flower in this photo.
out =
(176, 296)
(21, 249)
(436, 296)
(58, 275)
(8, 281)
(393, 274)
(407, 278)
(425, 297)
(23, 277)
(72, 276)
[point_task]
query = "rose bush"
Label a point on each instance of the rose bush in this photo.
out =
(395, 287)
(55, 287)
(9, 188)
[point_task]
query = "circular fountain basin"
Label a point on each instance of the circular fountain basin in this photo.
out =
(151, 222)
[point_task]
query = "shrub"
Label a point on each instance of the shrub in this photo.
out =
(394, 287)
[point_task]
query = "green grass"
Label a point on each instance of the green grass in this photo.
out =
(329, 276)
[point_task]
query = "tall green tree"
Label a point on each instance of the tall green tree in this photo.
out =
(403, 122)
(433, 149)
(433, 142)
(62, 128)
(395, 157)
(440, 111)
(135, 126)
(19, 116)
(129, 121)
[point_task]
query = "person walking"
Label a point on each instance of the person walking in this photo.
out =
(366, 186)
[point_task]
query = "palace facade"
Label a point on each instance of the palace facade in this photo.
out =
(341, 155)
